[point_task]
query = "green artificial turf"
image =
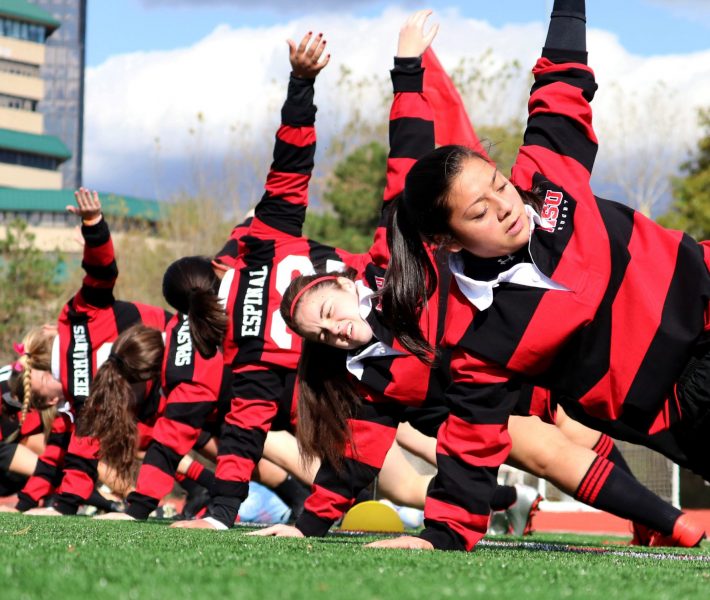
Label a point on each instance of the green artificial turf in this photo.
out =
(76, 557)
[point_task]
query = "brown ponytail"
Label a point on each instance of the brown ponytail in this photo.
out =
(190, 286)
(109, 413)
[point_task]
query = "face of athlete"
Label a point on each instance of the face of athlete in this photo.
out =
(488, 215)
(330, 314)
(45, 387)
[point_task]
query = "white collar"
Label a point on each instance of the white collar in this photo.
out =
(480, 293)
(364, 294)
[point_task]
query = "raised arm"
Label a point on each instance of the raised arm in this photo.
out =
(99, 260)
(411, 129)
(559, 141)
(283, 205)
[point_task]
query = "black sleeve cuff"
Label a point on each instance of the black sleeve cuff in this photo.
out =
(25, 502)
(311, 525)
(565, 56)
(140, 505)
(442, 537)
(407, 75)
(67, 504)
(225, 510)
(96, 235)
(299, 110)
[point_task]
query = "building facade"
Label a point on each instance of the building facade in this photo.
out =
(63, 76)
(29, 157)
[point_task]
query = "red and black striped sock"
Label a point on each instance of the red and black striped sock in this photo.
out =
(606, 447)
(607, 487)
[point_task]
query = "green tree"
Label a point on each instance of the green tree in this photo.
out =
(28, 279)
(354, 196)
(690, 209)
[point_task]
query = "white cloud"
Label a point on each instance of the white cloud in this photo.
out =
(236, 78)
(281, 5)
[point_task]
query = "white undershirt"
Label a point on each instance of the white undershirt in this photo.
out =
(480, 293)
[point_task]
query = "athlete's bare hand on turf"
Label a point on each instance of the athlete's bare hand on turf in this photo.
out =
(306, 58)
(46, 511)
(8, 509)
(115, 516)
(196, 524)
(88, 206)
(279, 531)
(412, 39)
(407, 542)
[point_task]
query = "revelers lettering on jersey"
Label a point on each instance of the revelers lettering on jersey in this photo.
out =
(183, 352)
(80, 361)
(252, 311)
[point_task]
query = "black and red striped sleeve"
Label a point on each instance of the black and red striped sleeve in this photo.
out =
(191, 384)
(48, 471)
(256, 392)
(373, 430)
(559, 140)
(471, 444)
(99, 264)
(283, 206)
(411, 136)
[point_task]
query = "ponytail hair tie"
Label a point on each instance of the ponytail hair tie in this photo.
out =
(307, 287)
(117, 360)
(20, 350)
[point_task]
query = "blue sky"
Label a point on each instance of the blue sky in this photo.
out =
(644, 27)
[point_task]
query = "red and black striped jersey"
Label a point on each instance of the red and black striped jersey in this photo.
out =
(637, 305)
(271, 252)
(191, 385)
(92, 319)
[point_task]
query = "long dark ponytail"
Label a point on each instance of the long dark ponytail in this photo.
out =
(419, 221)
(190, 286)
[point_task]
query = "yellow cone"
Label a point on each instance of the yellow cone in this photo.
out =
(372, 516)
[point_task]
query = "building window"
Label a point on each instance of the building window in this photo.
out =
(24, 159)
(19, 68)
(7, 101)
(22, 31)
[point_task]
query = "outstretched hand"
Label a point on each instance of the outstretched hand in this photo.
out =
(278, 530)
(88, 206)
(305, 58)
(405, 542)
(413, 41)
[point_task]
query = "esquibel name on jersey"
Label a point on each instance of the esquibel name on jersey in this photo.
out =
(253, 305)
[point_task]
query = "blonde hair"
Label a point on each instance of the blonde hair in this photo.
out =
(37, 355)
